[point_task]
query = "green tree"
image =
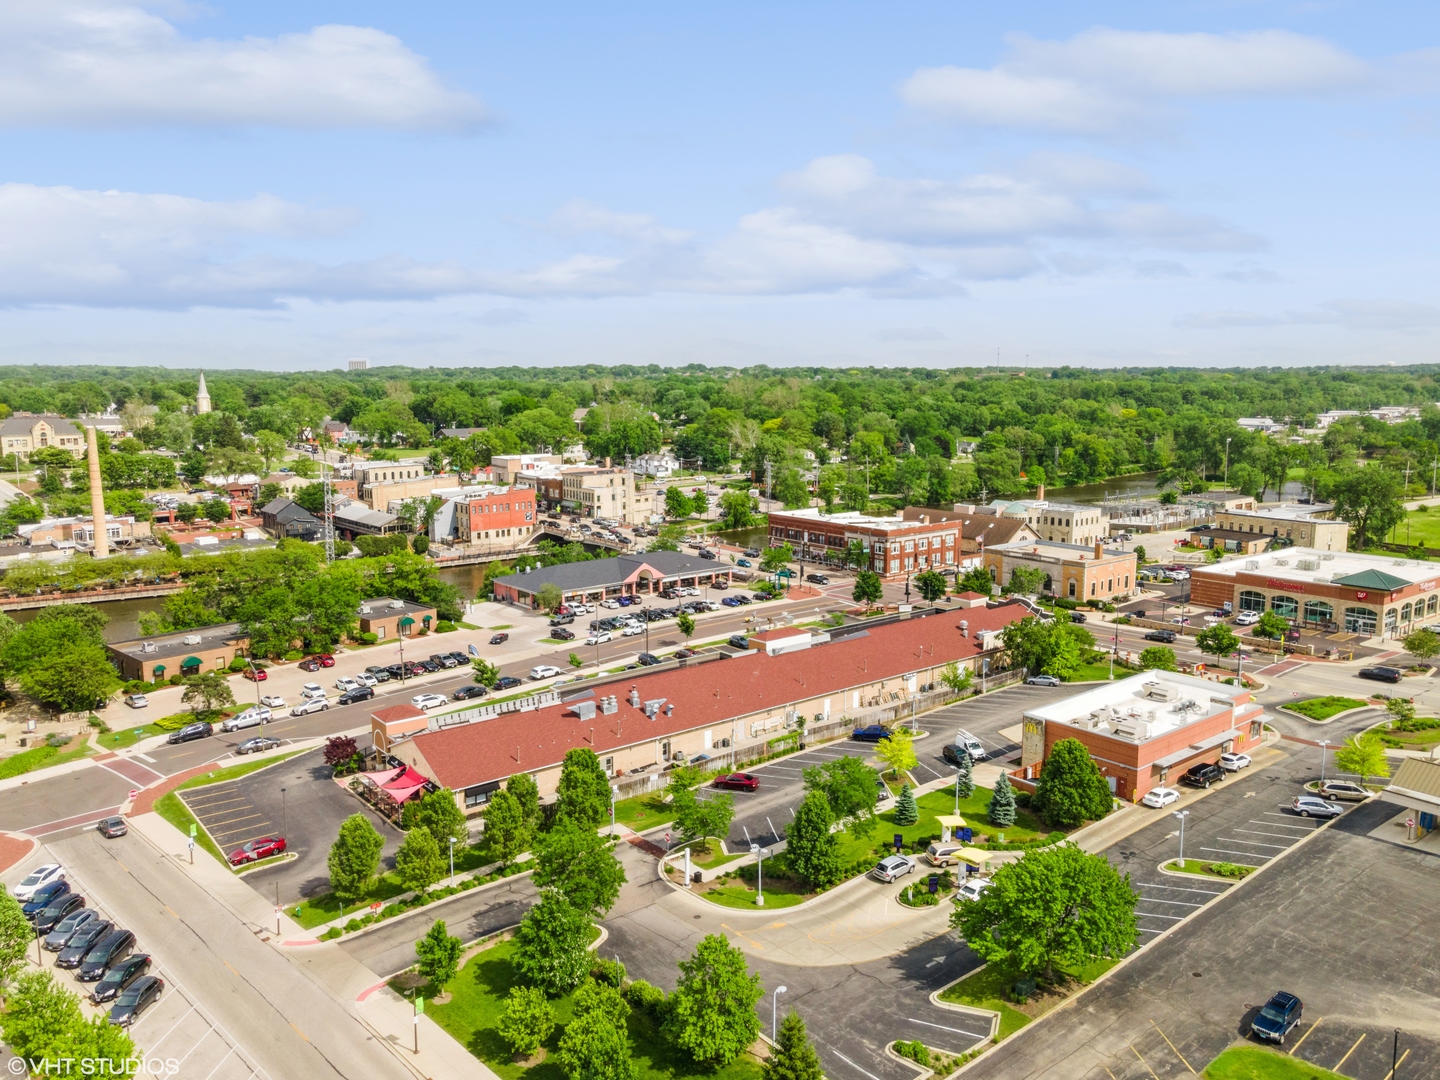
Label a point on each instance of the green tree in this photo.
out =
(776, 558)
(527, 1021)
(811, 848)
(976, 579)
(583, 793)
(485, 673)
(1070, 789)
(207, 694)
(439, 955)
(419, 862)
(677, 503)
(103, 1047)
(40, 1017)
(668, 538)
(737, 509)
(793, 1058)
(711, 1014)
(1217, 641)
(791, 489)
(596, 1043)
(1363, 755)
(956, 679)
(552, 944)
(270, 448)
(868, 588)
(1422, 644)
(906, 811)
(698, 819)
(575, 660)
(581, 864)
(1001, 811)
(850, 787)
(441, 814)
(931, 585)
(897, 751)
(1139, 555)
(1271, 626)
(549, 597)
(77, 678)
(1158, 658)
(1402, 712)
(16, 934)
(354, 858)
(685, 623)
(1057, 905)
(1027, 579)
(965, 774)
(507, 832)
(527, 793)
(1369, 499)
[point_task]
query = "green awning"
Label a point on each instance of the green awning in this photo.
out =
(407, 621)
(159, 669)
(191, 661)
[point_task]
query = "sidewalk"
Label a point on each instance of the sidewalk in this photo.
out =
(392, 1019)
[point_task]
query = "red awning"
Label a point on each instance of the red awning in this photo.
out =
(406, 784)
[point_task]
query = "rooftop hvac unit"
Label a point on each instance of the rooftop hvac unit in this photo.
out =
(1159, 691)
(1328, 557)
(585, 710)
(1282, 562)
(1252, 564)
(396, 604)
(364, 610)
(653, 706)
(192, 639)
(148, 646)
(1307, 564)
(609, 706)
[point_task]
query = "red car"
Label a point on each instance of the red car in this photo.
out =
(255, 850)
(255, 674)
(326, 660)
(737, 781)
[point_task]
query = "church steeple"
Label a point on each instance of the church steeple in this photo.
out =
(202, 397)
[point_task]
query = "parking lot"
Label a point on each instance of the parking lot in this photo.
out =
(307, 812)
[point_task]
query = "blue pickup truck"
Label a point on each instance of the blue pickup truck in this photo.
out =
(873, 733)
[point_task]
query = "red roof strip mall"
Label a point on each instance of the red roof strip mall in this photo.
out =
(1144, 731)
(653, 720)
(1326, 590)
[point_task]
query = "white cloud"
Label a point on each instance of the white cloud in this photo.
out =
(1103, 81)
(1162, 268)
(1398, 315)
(93, 63)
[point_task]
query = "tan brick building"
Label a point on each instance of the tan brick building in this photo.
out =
(1071, 571)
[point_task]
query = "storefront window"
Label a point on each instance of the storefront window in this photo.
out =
(1405, 613)
(1359, 620)
(1286, 606)
(1430, 605)
(1317, 611)
(1390, 621)
(1252, 601)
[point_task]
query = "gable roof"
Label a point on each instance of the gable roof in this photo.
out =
(597, 573)
(1372, 579)
(25, 425)
(712, 693)
(288, 512)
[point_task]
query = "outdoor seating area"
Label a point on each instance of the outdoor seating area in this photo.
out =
(388, 791)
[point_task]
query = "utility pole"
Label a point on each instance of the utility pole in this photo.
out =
(329, 513)
(769, 471)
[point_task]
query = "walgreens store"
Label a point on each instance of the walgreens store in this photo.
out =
(1326, 590)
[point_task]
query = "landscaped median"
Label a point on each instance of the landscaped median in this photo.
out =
(173, 809)
(1205, 868)
(1259, 1063)
(993, 988)
(1320, 709)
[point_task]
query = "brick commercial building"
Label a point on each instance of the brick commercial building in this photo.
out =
(187, 652)
(1325, 590)
(81, 531)
(388, 618)
(22, 433)
(978, 530)
(1071, 570)
(895, 547)
(494, 515)
(624, 575)
(1144, 731)
(652, 721)
(1249, 532)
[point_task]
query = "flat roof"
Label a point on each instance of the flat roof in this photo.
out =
(383, 607)
(1053, 549)
(854, 518)
(1287, 512)
(1140, 708)
(1310, 566)
(162, 646)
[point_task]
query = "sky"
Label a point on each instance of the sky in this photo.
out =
(288, 185)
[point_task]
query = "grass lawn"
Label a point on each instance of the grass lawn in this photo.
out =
(1206, 868)
(713, 857)
(1409, 740)
(465, 625)
(477, 1001)
(1417, 528)
(41, 757)
(918, 836)
(643, 812)
(1097, 673)
(1322, 708)
(989, 988)
(119, 740)
(1258, 1063)
(502, 626)
(319, 910)
(779, 893)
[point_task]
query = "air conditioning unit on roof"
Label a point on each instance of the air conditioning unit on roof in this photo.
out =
(192, 639)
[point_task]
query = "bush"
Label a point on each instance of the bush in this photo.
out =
(646, 998)
(610, 972)
(294, 654)
(177, 679)
(915, 1050)
(368, 638)
(444, 626)
(56, 739)
(238, 664)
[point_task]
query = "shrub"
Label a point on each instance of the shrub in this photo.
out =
(237, 664)
(369, 638)
(646, 998)
(610, 972)
(176, 679)
(56, 739)
(444, 626)
(1230, 870)
(915, 1050)
(294, 654)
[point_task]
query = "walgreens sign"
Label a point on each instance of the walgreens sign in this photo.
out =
(1288, 586)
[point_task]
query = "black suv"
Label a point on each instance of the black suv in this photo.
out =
(119, 977)
(350, 697)
(559, 633)
(201, 730)
(1276, 1017)
(81, 942)
(648, 659)
(44, 897)
(1167, 636)
(57, 911)
(111, 950)
(1203, 774)
(1382, 674)
(817, 579)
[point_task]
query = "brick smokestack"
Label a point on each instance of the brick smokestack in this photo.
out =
(1040, 492)
(97, 497)
(1099, 549)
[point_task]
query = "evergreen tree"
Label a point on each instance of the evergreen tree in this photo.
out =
(965, 768)
(906, 812)
(811, 849)
(1002, 803)
(711, 1014)
(793, 1057)
(1070, 789)
(354, 858)
(552, 944)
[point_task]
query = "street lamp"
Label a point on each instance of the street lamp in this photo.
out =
(614, 791)
(1227, 463)
(1324, 745)
(1181, 815)
(452, 860)
(759, 853)
(775, 1012)
(957, 790)
(283, 823)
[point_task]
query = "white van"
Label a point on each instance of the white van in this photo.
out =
(970, 743)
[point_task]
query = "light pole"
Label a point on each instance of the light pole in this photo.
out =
(614, 791)
(1324, 745)
(957, 790)
(283, 822)
(1227, 463)
(775, 1014)
(759, 853)
(256, 677)
(452, 860)
(1181, 815)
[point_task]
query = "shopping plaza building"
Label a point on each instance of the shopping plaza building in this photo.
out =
(1325, 590)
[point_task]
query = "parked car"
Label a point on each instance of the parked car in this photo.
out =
(744, 562)
(560, 633)
(942, 853)
(251, 717)
(507, 682)
(135, 999)
(817, 579)
(611, 604)
(1344, 789)
(1203, 774)
(873, 733)
(1276, 1017)
(543, 671)
(892, 868)
(36, 880)
(350, 697)
(1382, 674)
(273, 701)
(255, 674)
(964, 743)
(461, 659)
(136, 701)
(199, 730)
(647, 659)
(57, 911)
(81, 942)
(682, 654)
(257, 744)
(310, 705)
(112, 827)
(1079, 616)
(119, 977)
(309, 664)
(600, 637)
(1247, 618)
(465, 693)
(312, 690)
(632, 630)
(364, 678)
(326, 660)
(738, 641)
(736, 781)
(1167, 636)
(753, 553)
(499, 639)
(1042, 680)
(972, 889)
(1160, 797)
(1310, 806)
(1234, 762)
(427, 702)
(562, 620)
(265, 847)
(111, 950)
(345, 683)
(60, 934)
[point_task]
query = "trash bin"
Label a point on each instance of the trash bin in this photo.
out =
(697, 877)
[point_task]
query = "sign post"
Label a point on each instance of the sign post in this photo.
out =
(194, 830)
(419, 1011)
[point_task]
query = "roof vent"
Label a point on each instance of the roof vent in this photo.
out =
(653, 706)
(634, 698)
(609, 706)
(585, 710)
(1252, 564)
(1328, 557)
(670, 709)
(964, 627)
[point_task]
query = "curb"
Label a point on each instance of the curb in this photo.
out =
(1216, 879)
(1328, 720)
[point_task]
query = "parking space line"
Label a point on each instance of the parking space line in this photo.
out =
(1142, 1060)
(1283, 825)
(1173, 1047)
(1391, 1073)
(1179, 888)
(1312, 1027)
(1152, 915)
(222, 1061)
(1177, 903)
(1252, 843)
(942, 1027)
(1342, 1061)
(1243, 854)
(1143, 930)
(1278, 835)
(241, 817)
(1288, 818)
(162, 1038)
(852, 1064)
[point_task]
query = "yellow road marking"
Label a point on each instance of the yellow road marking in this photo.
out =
(1403, 1056)
(1107, 1069)
(172, 911)
(1348, 1052)
(1173, 1047)
(122, 866)
(1142, 1060)
(1312, 1027)
(300, 1033)
(227, 964)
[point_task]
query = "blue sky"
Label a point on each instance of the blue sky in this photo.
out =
(288, 185)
